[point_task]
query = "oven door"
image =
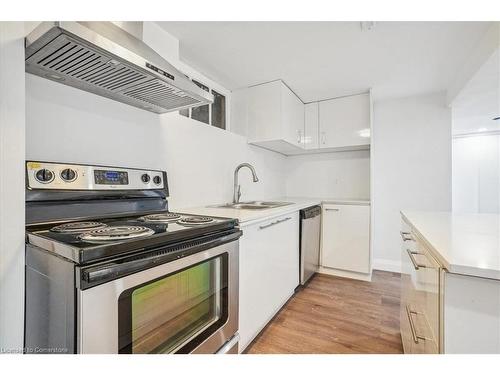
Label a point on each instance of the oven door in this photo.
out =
(189, 305)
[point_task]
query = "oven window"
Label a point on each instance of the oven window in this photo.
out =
(175, 313)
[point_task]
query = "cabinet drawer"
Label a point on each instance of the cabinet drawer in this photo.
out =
(415, 332)
(427, 287)
(419, 315)
(408, 241)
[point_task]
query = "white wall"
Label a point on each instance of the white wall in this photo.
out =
(12, 127)
(197, 157)
(69, 125)
(476, 174)
(411, 151)
(484, 48)
(336, 175)
(162, 42)
(65, 124)
(476, 141)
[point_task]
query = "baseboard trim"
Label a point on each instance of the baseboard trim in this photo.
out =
(386, 265)
(348, 274)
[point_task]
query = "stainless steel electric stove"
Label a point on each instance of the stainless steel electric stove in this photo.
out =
(109, 269)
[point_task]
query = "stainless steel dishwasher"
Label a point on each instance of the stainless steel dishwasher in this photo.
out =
(310, 226)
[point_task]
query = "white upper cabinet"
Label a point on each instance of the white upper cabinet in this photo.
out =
(275, 117)
(344, 123)
(311, 126)
(292, 112)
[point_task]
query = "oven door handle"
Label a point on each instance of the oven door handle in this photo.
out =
(115, 270)
(96, 275)
(229, 345)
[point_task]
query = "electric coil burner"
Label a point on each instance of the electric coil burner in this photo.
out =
(109, 269)
(168, 217)
(116, 233)
(78, 227)
(195, 220)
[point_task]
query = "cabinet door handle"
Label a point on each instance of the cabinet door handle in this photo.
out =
(274, 223)
(299, 134)
(416, 265)
(413, 330)
(332, 209)
(282, 220)
(323, 138)
(406, 236)
(412, 325)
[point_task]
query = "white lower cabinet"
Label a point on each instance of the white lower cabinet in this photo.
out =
(269, 272)
(345, 237)
(471, 314)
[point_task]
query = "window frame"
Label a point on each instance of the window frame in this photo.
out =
(220, 91)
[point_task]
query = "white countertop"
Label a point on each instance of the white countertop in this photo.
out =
(246, 217)
(467, 244)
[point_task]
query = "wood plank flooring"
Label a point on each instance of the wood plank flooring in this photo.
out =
(337, 315)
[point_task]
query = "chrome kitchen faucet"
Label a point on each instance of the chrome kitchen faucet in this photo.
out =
(237, 187)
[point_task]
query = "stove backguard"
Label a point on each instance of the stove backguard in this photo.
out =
(61, 191)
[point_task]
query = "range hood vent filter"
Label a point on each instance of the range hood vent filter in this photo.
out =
(55, 52)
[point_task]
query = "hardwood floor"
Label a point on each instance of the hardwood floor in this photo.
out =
(337, 315)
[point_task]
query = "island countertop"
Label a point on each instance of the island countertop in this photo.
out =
(467, 244)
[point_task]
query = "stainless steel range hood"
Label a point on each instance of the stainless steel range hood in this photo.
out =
(102, 58)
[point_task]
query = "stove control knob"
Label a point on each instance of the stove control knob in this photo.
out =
(68, 175)
(157, 180)
(145, 178)
(44, 176)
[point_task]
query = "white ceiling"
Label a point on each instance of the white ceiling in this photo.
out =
(320, 60)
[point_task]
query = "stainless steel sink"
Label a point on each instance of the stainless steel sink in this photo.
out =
(253, 205)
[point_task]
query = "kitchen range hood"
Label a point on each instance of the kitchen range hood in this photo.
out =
(102, 58)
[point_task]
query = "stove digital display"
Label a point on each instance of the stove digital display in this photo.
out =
(105, 177)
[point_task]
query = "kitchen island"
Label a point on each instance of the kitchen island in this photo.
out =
(450, 299)
(467, 244)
